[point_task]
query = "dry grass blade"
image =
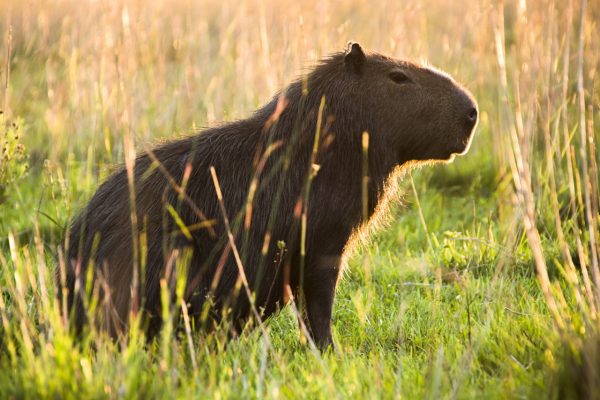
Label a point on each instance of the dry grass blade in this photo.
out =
(236, 255)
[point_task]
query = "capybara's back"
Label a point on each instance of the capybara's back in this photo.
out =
(276, 196)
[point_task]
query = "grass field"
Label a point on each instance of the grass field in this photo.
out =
(485, 283)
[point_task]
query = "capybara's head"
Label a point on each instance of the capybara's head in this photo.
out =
(419, 112)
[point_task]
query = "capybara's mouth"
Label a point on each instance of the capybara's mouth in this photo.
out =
(466, 144)
(461, 147)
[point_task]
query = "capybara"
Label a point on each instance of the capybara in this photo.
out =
(240, 218)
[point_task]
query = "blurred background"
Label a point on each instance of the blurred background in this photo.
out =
(83, 75)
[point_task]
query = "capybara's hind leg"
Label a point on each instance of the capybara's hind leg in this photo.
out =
(114, 300)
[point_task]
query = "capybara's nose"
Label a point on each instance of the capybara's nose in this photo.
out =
(468, 109)
(472, 115)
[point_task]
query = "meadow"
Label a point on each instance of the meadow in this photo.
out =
(484, 284)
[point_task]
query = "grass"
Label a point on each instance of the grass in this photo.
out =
(481, 286)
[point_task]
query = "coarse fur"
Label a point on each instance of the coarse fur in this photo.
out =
(293, 199)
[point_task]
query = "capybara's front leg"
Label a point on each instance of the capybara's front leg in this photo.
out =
(319, 285)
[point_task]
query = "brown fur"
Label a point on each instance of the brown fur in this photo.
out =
(413, 115)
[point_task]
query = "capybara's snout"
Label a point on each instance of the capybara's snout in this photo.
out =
(468, 114)
(467, 109)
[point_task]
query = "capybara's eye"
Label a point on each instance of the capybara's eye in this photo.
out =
(400, 77)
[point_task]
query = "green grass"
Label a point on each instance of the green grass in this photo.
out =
(449, 300)
(424, 322)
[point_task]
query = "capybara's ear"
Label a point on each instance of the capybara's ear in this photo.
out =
(355, 57)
